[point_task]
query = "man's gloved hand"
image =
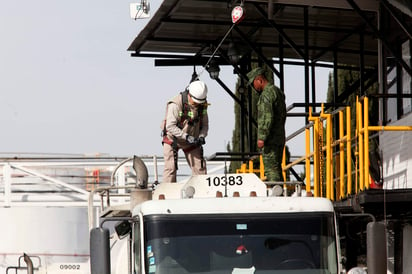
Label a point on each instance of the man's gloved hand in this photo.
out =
(201, 141)
(191, 140)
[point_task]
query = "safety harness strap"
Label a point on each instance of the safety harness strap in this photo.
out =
(185, 114)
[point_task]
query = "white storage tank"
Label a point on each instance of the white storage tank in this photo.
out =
(55, 238)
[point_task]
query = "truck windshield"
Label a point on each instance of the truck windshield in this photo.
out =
(262, 243)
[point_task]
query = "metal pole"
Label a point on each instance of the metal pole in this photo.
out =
(361, 147)
(281, 64)
(306, 41)
(348, 152)
(7, 185)
(307, 160)
(361, 65)
(341, 156)
(366, 139)
(29, 263)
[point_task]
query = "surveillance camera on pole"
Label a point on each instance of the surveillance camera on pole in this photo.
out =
(140, 10)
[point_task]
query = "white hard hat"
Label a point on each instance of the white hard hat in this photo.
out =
(198, 91)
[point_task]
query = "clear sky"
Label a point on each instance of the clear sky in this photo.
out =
(68, 84)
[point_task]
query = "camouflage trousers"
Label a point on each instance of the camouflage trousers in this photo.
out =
(272, 160)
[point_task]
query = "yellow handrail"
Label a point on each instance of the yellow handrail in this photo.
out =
(321, 144)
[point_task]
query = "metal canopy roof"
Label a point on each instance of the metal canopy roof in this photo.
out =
(188, 32)
(327, 27)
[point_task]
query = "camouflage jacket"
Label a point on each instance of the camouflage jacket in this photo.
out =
(271, 108)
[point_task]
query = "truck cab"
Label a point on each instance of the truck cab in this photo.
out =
(237, 235)
(228, 223)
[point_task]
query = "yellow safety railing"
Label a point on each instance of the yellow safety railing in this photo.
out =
(331, 177)
(333, 172)
(248, 168)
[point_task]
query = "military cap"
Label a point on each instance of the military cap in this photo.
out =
(253, 73)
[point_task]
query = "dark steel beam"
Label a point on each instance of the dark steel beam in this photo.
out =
(257, 51)
(174, 60)
(163, 55)
(371, 76)
(235, 98)
(261, 45)
(399, 106)
(281, 64)
(313, 72)
(381, 37)
(398, 19)
(280, 31)
(263, 24)
(306, 57)
(297, 177)
(361, 64)
(245, 67)
(391, 95)
(299, 105)
(335, 78)
(336, 44)
(195, 61)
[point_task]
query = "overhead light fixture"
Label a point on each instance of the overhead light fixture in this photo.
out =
(213, 69)
(234, 53)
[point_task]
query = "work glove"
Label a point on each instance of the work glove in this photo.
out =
(201, 141)
(191, 140)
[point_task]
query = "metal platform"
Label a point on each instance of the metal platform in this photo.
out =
(394, 203)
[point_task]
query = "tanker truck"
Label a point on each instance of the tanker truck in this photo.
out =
(220, 223)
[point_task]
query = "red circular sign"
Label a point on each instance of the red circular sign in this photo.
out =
(237, 14)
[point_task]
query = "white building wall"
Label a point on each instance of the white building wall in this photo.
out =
(407, 249)
(396, 149)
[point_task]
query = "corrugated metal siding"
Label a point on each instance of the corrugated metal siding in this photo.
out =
(397, 156)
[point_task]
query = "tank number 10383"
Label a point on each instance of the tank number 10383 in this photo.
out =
(225, 180)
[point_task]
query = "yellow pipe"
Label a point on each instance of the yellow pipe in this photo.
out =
(342, 156)
(243, 168)
(316, 159)
(322, 172)
(361, 149)
(389, 128)
(262, 168)
(316, 148)
(348, 153)
(297, 161)
(328, 158)
(307, 161)
(366, 139)
(356, 147)
(331, 177)
(250, 166)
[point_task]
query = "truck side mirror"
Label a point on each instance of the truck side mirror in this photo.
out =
(376, 248)
(99, 251)
(123, 229)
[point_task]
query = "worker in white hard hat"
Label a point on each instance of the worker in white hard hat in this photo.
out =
(185, 127)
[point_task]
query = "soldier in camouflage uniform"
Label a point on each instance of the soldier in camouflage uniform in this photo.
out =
(271, 123)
